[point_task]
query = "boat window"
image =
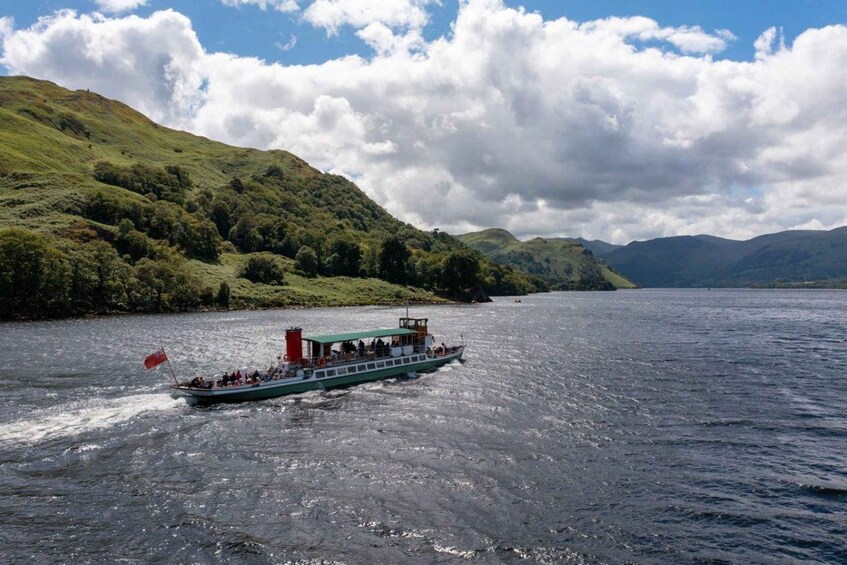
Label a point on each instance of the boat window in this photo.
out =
(352, 369)
(342, 371)
(330, 373)
(371, 366)
(380, 364)
(319, 374)
(392, 362)
(405, 360)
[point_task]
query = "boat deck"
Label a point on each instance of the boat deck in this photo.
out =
(339, 373)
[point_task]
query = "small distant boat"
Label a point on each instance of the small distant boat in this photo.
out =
(518, 300)
(329, 361)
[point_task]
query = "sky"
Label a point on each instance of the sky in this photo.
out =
(608, 119)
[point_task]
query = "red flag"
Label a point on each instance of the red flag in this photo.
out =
(155, 359)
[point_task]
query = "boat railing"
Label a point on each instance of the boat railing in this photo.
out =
(369, 354)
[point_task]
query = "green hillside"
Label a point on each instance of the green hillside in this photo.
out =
(802, 258)
(563, 263)
(597, 246)
(102, 210)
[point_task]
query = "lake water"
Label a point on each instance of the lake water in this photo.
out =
(644, 426)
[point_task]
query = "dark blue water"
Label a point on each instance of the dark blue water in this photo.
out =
(644, 426)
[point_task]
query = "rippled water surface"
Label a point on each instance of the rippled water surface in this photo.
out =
(643, 426)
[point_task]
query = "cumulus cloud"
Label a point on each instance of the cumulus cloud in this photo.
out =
(618, 128)
(148, 63)
(333, 14)
(118, 6)
(688, 39)
(287, 6)
(7, 24)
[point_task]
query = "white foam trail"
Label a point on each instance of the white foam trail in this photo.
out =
(79, 418)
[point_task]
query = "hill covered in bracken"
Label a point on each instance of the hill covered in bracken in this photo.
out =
(103, 210)
(563, 263)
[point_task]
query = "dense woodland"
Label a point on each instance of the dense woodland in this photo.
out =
(132, 255)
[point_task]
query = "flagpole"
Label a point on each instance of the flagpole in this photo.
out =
(170, 366)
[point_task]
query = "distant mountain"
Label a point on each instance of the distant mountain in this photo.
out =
(797, 256)
(564, 263)
(597, 246)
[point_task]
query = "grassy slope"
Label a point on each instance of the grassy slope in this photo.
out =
(50, 139)
(555, 260)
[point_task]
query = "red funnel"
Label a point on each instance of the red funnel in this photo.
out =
(294, 344)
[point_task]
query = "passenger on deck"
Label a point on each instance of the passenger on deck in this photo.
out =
(361, 348)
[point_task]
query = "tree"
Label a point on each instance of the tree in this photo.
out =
(221, 214)
(460, 272)
(290, 246)
(306, 261)
(428, 271)
(245, 236)
(101, 277)
(345, 259)
(198, 238)
(236, 185)
(393, 260)
(135, 244)
(163, 285)
(263, 269)
(34, 275)
(224, 295)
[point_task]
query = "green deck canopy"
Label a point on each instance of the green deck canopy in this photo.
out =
(372, 334)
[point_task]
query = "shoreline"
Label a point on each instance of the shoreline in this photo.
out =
(243, 308)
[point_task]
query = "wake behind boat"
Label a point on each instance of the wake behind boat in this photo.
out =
(328, 361)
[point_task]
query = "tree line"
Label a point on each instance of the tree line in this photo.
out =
(132, 254)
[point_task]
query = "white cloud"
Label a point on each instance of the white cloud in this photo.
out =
(7, 24)
(540, 126)
(118, 6)
(687, 39)
(287, 6)
(333, 14)
(764, 43)
(148, 63)
(287, 45)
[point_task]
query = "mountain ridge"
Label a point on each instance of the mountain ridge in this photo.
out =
(562, 262)
(791, 256)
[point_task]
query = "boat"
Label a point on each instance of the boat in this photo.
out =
(330, 361)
